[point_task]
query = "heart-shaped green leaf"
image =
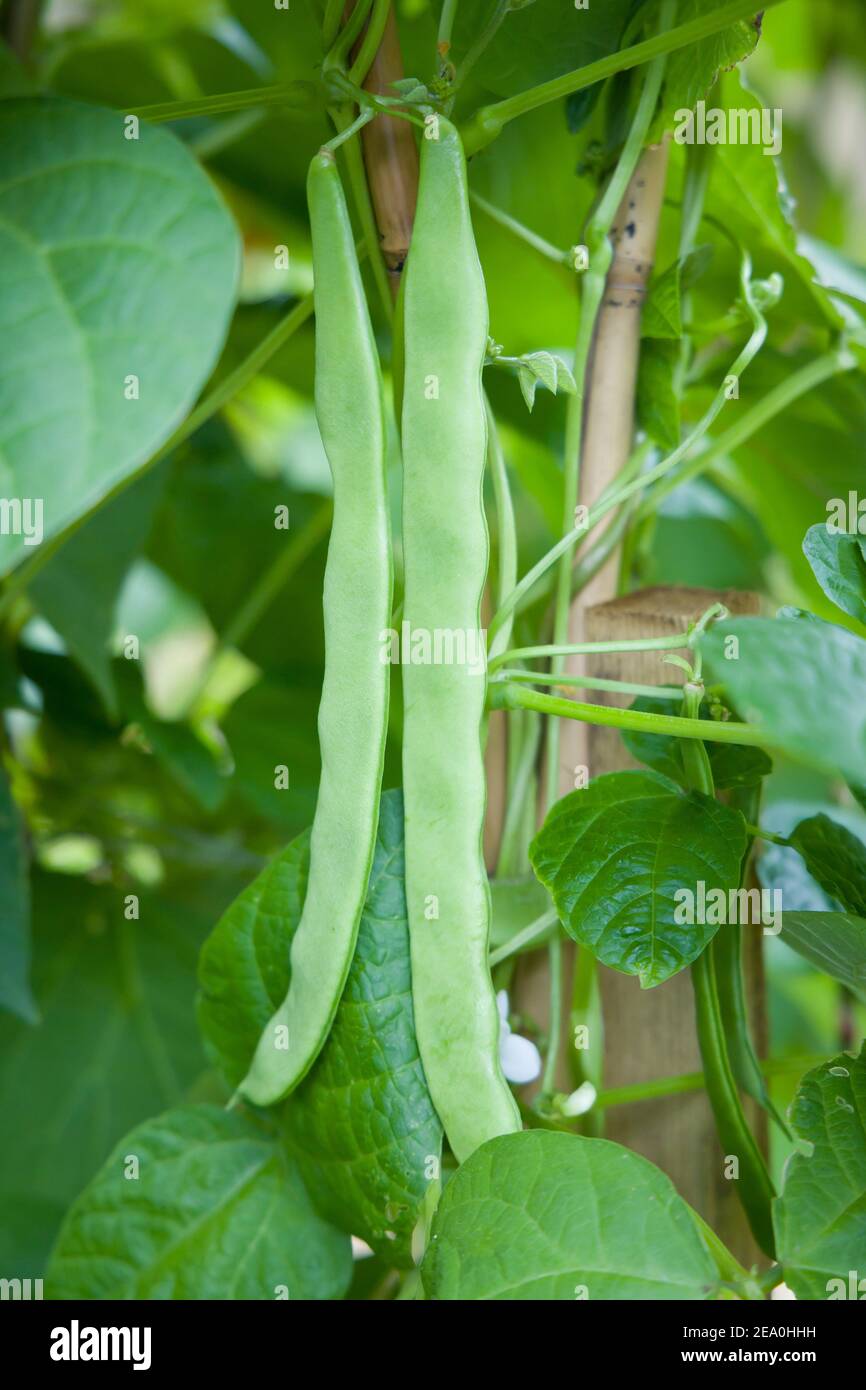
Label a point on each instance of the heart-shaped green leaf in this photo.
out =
(120, 268)
(835, 858)
(838, 562)
(200, 1203)
(820, 1218)
(621, 858)
(733, 765)
(541, 1215)
(362, 1125)
(795, 680)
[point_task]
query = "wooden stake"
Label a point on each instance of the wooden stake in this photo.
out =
(651, 1033)
(391, 159)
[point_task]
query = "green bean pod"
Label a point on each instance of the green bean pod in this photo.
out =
(353, 712)
(754, 1186)
(445, 547)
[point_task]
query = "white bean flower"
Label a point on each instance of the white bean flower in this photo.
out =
(520, 1058)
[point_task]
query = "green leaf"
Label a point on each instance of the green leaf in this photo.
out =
(748, 193)
(820, 1218)
(613, 857)
(361, 1126)
(274, 724)
(537, 41)
(658, 409)
(211, 1208)
(528, 384)
(797, 681)
(184, 755)
(515, 903)
(702, 537)
(117, 1038)
(691, 72)
(15, 993)
(838, 562)
(121, 262)
(77, 591)
(661, 316)
(835, 858)
(733, 765)
(835, 942)
(544, 365)
(551, 372)
(546, 1216)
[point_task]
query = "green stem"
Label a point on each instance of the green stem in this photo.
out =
(642, 722)
(665, 692)
(336, 58)
(372, 38)
(299, 95)
(756, 830)
(506, 525)
(513, 827)
(364, 207)
(536, 931)
(488, 121)
(331, 22)
(511, 224)
(269, 584)
(772, 404)
(694, 1081)
(560, 553)
(480, 44)
(218, 137)
(548, 1080)
(729, 1267)
(754, 1187)
(626, 644)
(348, 131)
(446, 25)
(593, 289)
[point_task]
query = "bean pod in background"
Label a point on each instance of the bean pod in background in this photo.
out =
(353, 712)
(445, 549)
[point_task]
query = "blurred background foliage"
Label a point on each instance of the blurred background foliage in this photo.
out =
(155, 777)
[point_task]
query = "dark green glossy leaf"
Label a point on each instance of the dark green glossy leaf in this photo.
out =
(614, 857)
(545, 1216)
(198, 1204)
(361, 1126)
(820, 1218)
(733, 765)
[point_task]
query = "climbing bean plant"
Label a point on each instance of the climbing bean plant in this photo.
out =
(308, 358)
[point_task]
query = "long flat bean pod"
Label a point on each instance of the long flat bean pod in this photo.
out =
(445, 556)
(353, 711)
